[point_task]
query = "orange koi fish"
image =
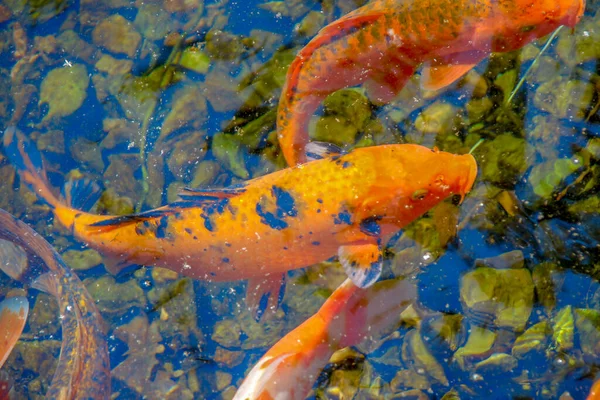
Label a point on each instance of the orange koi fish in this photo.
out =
(383, 43)
(350, 315)
(83, 370)
(293, 218)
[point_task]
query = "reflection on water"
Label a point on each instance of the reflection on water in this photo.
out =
(146, 99)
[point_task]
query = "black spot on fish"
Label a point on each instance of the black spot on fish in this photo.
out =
(161, 228)
(228, 244)
(225, 260)
(188, 230)
(344, 217)
(346, 164)
(285, 248)
(285, 202)
(268, 218)
(318, 210)
(211, 210)
(320, 201)
(370, 226)
(315, 243)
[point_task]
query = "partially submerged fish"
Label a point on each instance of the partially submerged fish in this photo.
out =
(384, 42)
(339, 205)
(350, 315)
(83, 370)
(13, 315)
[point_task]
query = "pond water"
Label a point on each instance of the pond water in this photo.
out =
(146, 98)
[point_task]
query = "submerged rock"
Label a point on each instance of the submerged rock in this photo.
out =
(500, 297)
(118, 35)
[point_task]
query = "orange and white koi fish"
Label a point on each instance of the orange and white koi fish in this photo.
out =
(350, 315)
(83, 370)
(384, 42)
(293, 218)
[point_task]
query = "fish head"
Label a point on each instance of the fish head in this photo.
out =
(522, 21)
(416, 178)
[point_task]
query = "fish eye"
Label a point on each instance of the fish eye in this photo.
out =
(420, 194)
(456, 199)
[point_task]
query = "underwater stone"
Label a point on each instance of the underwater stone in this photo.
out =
(565, 98)
(113, 66)
(416, 354)
(227, 149)
(502, 297)
(195, 60)
(478, 345)
(533, 340)
(497, 362)
(117, 34)
(512, 259)
(544, 284)
(82, 260)
(436, 118)
(503, 159)
(587, 322)
(227, 333)
(563, 329)
(64, 90)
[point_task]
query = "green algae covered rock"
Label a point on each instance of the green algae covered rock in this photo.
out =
(565, 98)
(64, 90)
(502, 160)
(501, 297)
(346, 112)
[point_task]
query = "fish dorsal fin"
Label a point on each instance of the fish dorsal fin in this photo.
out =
(111, 223)
(211, 194)
(443, 71)
(320, 150)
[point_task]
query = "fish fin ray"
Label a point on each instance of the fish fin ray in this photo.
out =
(81, 194)
(265, 293)
(362, 262)
(448, 69)
(46, 283)
(210, 194)
(319, 150)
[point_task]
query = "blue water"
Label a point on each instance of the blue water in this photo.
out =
(543, 231)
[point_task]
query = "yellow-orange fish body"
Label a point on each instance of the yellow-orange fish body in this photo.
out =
(339, 205)
(382, 44)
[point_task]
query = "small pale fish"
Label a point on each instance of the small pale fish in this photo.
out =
(384, 42)
(341, 204)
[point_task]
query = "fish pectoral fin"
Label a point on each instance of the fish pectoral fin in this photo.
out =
(46, 283)
(443, 71)
(362, 262)
(265, 293)
(318, 150)
(203, 195)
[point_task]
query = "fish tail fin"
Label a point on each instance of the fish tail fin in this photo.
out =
(27, 160)
(79, 194)
(13, 315)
